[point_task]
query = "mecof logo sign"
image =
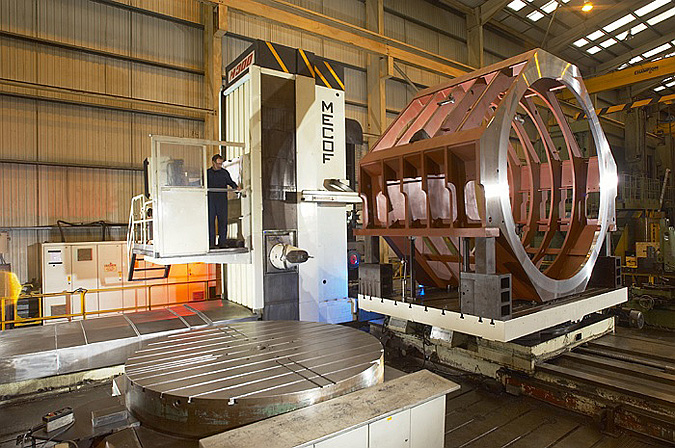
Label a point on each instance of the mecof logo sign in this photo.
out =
(240, 67)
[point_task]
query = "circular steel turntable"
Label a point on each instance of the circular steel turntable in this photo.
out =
(202, 382)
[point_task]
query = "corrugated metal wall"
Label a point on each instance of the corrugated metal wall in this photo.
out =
(116, 49)
(62, 141)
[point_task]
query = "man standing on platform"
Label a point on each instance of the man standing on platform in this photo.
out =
(217, 181)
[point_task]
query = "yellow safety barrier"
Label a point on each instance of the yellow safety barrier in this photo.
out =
(4, 301)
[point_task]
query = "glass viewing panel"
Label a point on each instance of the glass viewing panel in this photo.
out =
(181, 165)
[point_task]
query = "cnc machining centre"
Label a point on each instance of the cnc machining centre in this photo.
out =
(283, 132)
(288, 106)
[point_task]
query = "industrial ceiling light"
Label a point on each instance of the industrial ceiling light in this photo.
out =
(587, 6)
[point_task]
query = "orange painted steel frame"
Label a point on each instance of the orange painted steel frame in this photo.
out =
(473, 158)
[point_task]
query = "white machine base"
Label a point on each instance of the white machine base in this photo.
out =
(488, 358)
(218, 256)
(494, 330)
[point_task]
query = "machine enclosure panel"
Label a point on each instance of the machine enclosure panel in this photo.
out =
(322, 228)
(241, 109)
(186, 210)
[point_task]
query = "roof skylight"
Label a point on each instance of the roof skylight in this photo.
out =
(594, 49)
(655, 51)
(595, 35)
(659, 88)
(661, 17)
(608, 43)
(535, 15)
(651, 7)
(619, 23)
(580, 43)
(637, 28)
(656, 4)
(550, 6)
(635, 59)
(516, 5)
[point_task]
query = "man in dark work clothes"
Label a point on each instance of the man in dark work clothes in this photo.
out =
(218, 177)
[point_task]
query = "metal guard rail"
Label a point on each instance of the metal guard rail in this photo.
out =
(84, 313)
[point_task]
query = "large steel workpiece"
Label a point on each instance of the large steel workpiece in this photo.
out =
(490, 156)
(202, 382)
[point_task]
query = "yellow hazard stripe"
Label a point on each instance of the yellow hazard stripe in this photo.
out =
(617, 108)
(334, 74)
(309, 66)
(318, 72)
(641, 103)
(276, 56)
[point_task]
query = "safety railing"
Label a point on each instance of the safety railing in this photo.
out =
(81, 295)
(642, 192)
(140, 223)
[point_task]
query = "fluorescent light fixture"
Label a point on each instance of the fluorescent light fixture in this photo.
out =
(608, 43)
(621, 36)
(534, 16)
(580, 43)
(587, 6)
(625, 20)
(637, 28)
(661, 17)
(594, 49)
(595, 35)
(635, 59)
(659, 88)
(622, 66)
(651, 7)
(550, 6)
(516, 5)
(654, 51)
(670, 84)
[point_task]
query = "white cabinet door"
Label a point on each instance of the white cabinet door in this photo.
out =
(427, 424)
(111, 271)
(356, 438)
(55, 278)
(390, 432)
(85, 276)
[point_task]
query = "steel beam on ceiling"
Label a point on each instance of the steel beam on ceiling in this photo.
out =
(375, 43)
(612, 64)
(588, 26)
(490, 8)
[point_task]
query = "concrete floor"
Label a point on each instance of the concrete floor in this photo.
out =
(475, 417)
(479, 418)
